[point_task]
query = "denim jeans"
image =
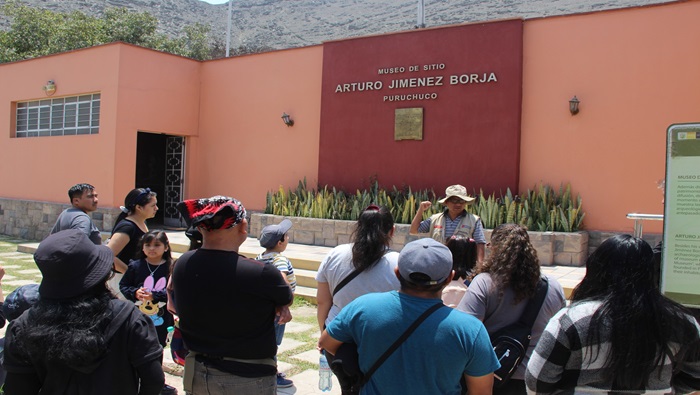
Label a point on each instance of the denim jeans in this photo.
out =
(210, 381)
(279, 332)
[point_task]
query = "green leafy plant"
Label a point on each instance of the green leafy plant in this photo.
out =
(540, 209)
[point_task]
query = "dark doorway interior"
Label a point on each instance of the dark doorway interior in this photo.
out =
(150, 169)
(160, 166)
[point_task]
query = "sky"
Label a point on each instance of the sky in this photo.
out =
(215, 1)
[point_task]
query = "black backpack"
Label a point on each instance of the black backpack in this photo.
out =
(510, 343)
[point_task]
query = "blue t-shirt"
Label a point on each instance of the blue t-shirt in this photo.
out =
(432, 360)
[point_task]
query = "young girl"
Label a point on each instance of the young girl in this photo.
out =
(463, 263)
(146, 278)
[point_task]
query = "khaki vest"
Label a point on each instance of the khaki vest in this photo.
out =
(465, 227)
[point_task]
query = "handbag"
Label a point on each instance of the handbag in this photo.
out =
(345, 363)
(510, 343)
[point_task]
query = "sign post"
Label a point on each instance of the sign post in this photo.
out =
(680, 272)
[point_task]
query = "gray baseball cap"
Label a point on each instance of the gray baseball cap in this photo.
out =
(425, 262)
(271, 234)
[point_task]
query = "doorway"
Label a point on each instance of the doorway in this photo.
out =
(160, 166)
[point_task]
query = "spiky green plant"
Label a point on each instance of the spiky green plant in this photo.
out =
(540, 209)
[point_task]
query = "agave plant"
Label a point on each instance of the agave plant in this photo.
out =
(540, 209)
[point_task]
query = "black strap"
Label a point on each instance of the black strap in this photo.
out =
(346, 280)
(400, 340)
(352, 275)
(119, 319)
(532, 309)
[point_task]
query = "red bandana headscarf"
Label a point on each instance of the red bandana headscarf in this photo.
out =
(216, 212)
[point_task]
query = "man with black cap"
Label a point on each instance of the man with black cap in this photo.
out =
(445, 347)
(453, 221)
(227, 304)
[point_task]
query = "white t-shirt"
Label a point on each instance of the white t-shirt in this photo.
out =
(338, 264)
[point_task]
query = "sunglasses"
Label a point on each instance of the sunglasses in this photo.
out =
(456, 200)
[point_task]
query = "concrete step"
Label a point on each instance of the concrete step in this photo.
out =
(305, 278)
(306, 293)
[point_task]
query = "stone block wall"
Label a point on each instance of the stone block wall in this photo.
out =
(322, 232)
(553, 248)
(33, 220)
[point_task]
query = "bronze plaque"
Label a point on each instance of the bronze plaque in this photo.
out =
(408, 124)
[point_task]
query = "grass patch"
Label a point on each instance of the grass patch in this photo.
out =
(20, 268)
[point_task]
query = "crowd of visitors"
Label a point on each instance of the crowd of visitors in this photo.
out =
(504, 327)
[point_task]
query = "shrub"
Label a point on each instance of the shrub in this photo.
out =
(541, 209)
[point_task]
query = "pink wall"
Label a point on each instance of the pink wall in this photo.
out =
(635, 72)
(141, 90)
(43, 168)
(158, 93)
(244, 148)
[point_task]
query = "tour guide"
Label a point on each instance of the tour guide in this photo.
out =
(454, 221)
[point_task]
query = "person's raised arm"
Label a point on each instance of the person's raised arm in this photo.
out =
(418, 218)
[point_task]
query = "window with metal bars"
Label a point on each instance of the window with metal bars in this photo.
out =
(63, 116)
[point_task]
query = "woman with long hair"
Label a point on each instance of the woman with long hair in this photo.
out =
(79, 339)
(620, 334)
(502, 288)
(368, 255)
(140, 204)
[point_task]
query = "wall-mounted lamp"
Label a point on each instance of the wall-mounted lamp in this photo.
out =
(573, 105)
(50, 88)
(287, 119)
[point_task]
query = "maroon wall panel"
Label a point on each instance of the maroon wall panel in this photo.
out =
(471, 128)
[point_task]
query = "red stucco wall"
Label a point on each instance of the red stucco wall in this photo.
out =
(471, 118)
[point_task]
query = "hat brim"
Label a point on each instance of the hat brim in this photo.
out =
(100, 265)
(285, 225)
(282, 228)
(466, 198)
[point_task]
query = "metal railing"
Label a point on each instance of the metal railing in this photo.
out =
(640, 218)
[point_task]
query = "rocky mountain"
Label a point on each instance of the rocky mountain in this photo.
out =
(279, 24)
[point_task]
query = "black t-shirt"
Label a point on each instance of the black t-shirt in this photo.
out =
(226, 304)
(136, 274)
(134, 232)
(133, 344)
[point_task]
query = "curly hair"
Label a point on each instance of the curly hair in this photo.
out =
(68, 332)
(513, 261)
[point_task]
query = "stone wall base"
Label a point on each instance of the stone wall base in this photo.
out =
(553, 248)
(33, 220)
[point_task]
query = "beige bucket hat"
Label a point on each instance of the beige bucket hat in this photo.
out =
(458, 191)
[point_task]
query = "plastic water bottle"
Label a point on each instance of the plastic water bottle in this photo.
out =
(169, 336)
(325, 382)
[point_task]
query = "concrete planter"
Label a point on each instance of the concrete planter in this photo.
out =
(553, 248)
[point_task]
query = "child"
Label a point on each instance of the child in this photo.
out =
(274, 239)
(463, 263)
(146, 278)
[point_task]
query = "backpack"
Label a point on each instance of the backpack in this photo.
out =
(510, 343)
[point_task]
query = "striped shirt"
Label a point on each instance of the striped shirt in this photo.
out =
(283, 264)
(564, 363)
(451, 226)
